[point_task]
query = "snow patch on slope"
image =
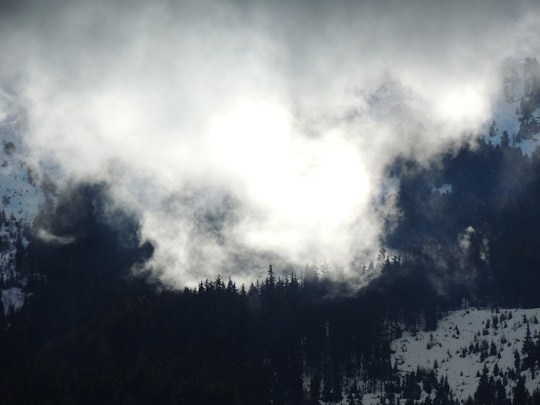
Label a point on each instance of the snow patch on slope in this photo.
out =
(22, 194)
(444, 188)
(516, 111)
(12, 299)
(457, 349)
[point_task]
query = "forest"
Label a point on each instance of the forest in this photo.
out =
(93, 332)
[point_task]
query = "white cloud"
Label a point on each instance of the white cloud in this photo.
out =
(253, 129)
(47, 237)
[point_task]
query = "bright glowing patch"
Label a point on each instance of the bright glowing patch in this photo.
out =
(251, 137)
(295, 183)
(464, 105)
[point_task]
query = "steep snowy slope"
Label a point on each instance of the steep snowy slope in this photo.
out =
(20, 193)
(465, 342)
(516, 109)
(21, 196)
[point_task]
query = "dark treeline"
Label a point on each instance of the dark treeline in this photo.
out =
(91, 332)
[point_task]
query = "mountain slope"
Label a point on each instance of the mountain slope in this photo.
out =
(23, 193)
(465, 342)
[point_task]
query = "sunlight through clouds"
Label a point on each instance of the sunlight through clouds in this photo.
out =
(247, 132)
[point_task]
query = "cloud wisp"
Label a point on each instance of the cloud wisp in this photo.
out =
(247, 131)
(47, 237)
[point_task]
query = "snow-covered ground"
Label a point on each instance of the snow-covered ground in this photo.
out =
(20, 193)
(12, 299)
(517, 89)
(451, 348)
(21, 197)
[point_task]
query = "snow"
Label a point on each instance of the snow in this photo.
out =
(12, 299)
(448, 346)
(528, 146)
(9, 233)
(21, 198)
(444, 189)
(505, 111)
(371, 399)
(20, 194)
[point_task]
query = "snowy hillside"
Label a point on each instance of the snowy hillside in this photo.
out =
(22, 193)
(466, 341)
(516, 109)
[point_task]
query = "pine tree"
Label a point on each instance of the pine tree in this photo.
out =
(492, 349)
(315, 387)
(505, 140)
(528, 350)
(520, 393)
(270, 279)
(517, 361)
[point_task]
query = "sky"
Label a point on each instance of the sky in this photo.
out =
(247, 132)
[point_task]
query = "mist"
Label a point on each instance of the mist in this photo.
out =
(246, 132)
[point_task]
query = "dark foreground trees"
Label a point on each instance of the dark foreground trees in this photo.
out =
(91, 332)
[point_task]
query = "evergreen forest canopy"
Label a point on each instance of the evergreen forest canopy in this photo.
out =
(92, 332)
